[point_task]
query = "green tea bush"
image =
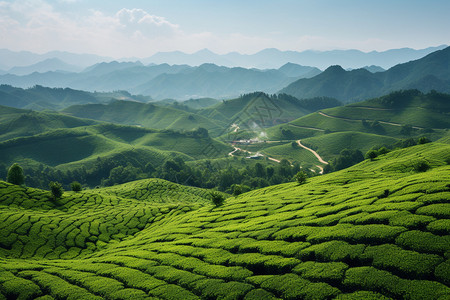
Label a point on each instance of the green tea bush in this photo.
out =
(218, 289)
(371, 233)
(333, 251)
(442, 272)
(440, 226)
(424, 242)
(411, 263)
(19, 288)
(362, 295)
(133, 278)
(57, 287)
(258, 294)
(132, 294)
(410, 221)
(170, 291)
(372, 279)
(440, 210)
(317, 271)
(291, 286)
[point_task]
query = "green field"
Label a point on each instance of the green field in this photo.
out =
(378, 230)
(147, 115)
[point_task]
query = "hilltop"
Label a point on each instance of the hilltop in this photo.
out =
(145, 114)
(45, 98)
(376, 230)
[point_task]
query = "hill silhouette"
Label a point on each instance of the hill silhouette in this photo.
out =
(428, 73)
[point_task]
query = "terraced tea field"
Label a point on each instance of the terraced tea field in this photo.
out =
(377, 230)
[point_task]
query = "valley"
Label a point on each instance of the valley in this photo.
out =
(121, 180)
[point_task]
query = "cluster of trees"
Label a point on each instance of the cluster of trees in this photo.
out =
(226, 176)
(346, 158)
(15, 175)
(232, 176)
(376, 151)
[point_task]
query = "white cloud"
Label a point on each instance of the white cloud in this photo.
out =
(36, 26)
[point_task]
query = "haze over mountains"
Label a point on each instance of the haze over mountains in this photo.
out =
(266, 59)
(429, 73)
(183, 81)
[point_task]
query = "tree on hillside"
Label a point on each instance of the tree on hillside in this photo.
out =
(15, 174)
(217, 198)
(201, 133)
(56, 189)
(75, 186)
(301, 177)
(371, 154)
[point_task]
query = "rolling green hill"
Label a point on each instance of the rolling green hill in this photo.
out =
(375, 122)
(18, 122)
(378, 230)
(147, 115)
(258, 110)
(97, 149)
(41, 98)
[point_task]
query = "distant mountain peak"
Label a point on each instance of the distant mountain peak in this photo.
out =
(334, 69)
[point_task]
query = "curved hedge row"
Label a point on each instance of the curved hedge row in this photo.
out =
(338, 236)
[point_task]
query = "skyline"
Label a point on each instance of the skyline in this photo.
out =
(142, 28)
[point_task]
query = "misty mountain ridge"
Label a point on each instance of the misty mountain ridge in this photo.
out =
(167, 81)
(47, 65)
(269, 58)
(429, 73)
(274, 58)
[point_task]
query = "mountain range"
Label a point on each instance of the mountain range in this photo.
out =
(274, 58)
(167, 81)
(264, 59)
(431, 72)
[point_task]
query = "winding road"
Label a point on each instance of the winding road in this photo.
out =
(358, 120)
(313, 152)
(278, 161)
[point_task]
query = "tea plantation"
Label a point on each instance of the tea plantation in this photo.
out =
(378, 230)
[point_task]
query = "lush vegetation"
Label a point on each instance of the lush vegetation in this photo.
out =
(376, 230)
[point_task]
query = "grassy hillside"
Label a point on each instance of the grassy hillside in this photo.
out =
(332, 144)
(375, 122)
(255, 111)
(147, 115)
(41, 98)
(18, 122)
(64, 146)
(376, 230)
(88, 154)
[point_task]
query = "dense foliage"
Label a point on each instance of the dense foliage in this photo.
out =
(373, 231)
(15, 175)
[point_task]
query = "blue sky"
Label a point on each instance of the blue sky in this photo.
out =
(136, 28)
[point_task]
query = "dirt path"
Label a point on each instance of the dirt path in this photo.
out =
(313, 152)
(304, 127)
(372, 108)
(249, 152)
(348, 119)
(274, 159)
